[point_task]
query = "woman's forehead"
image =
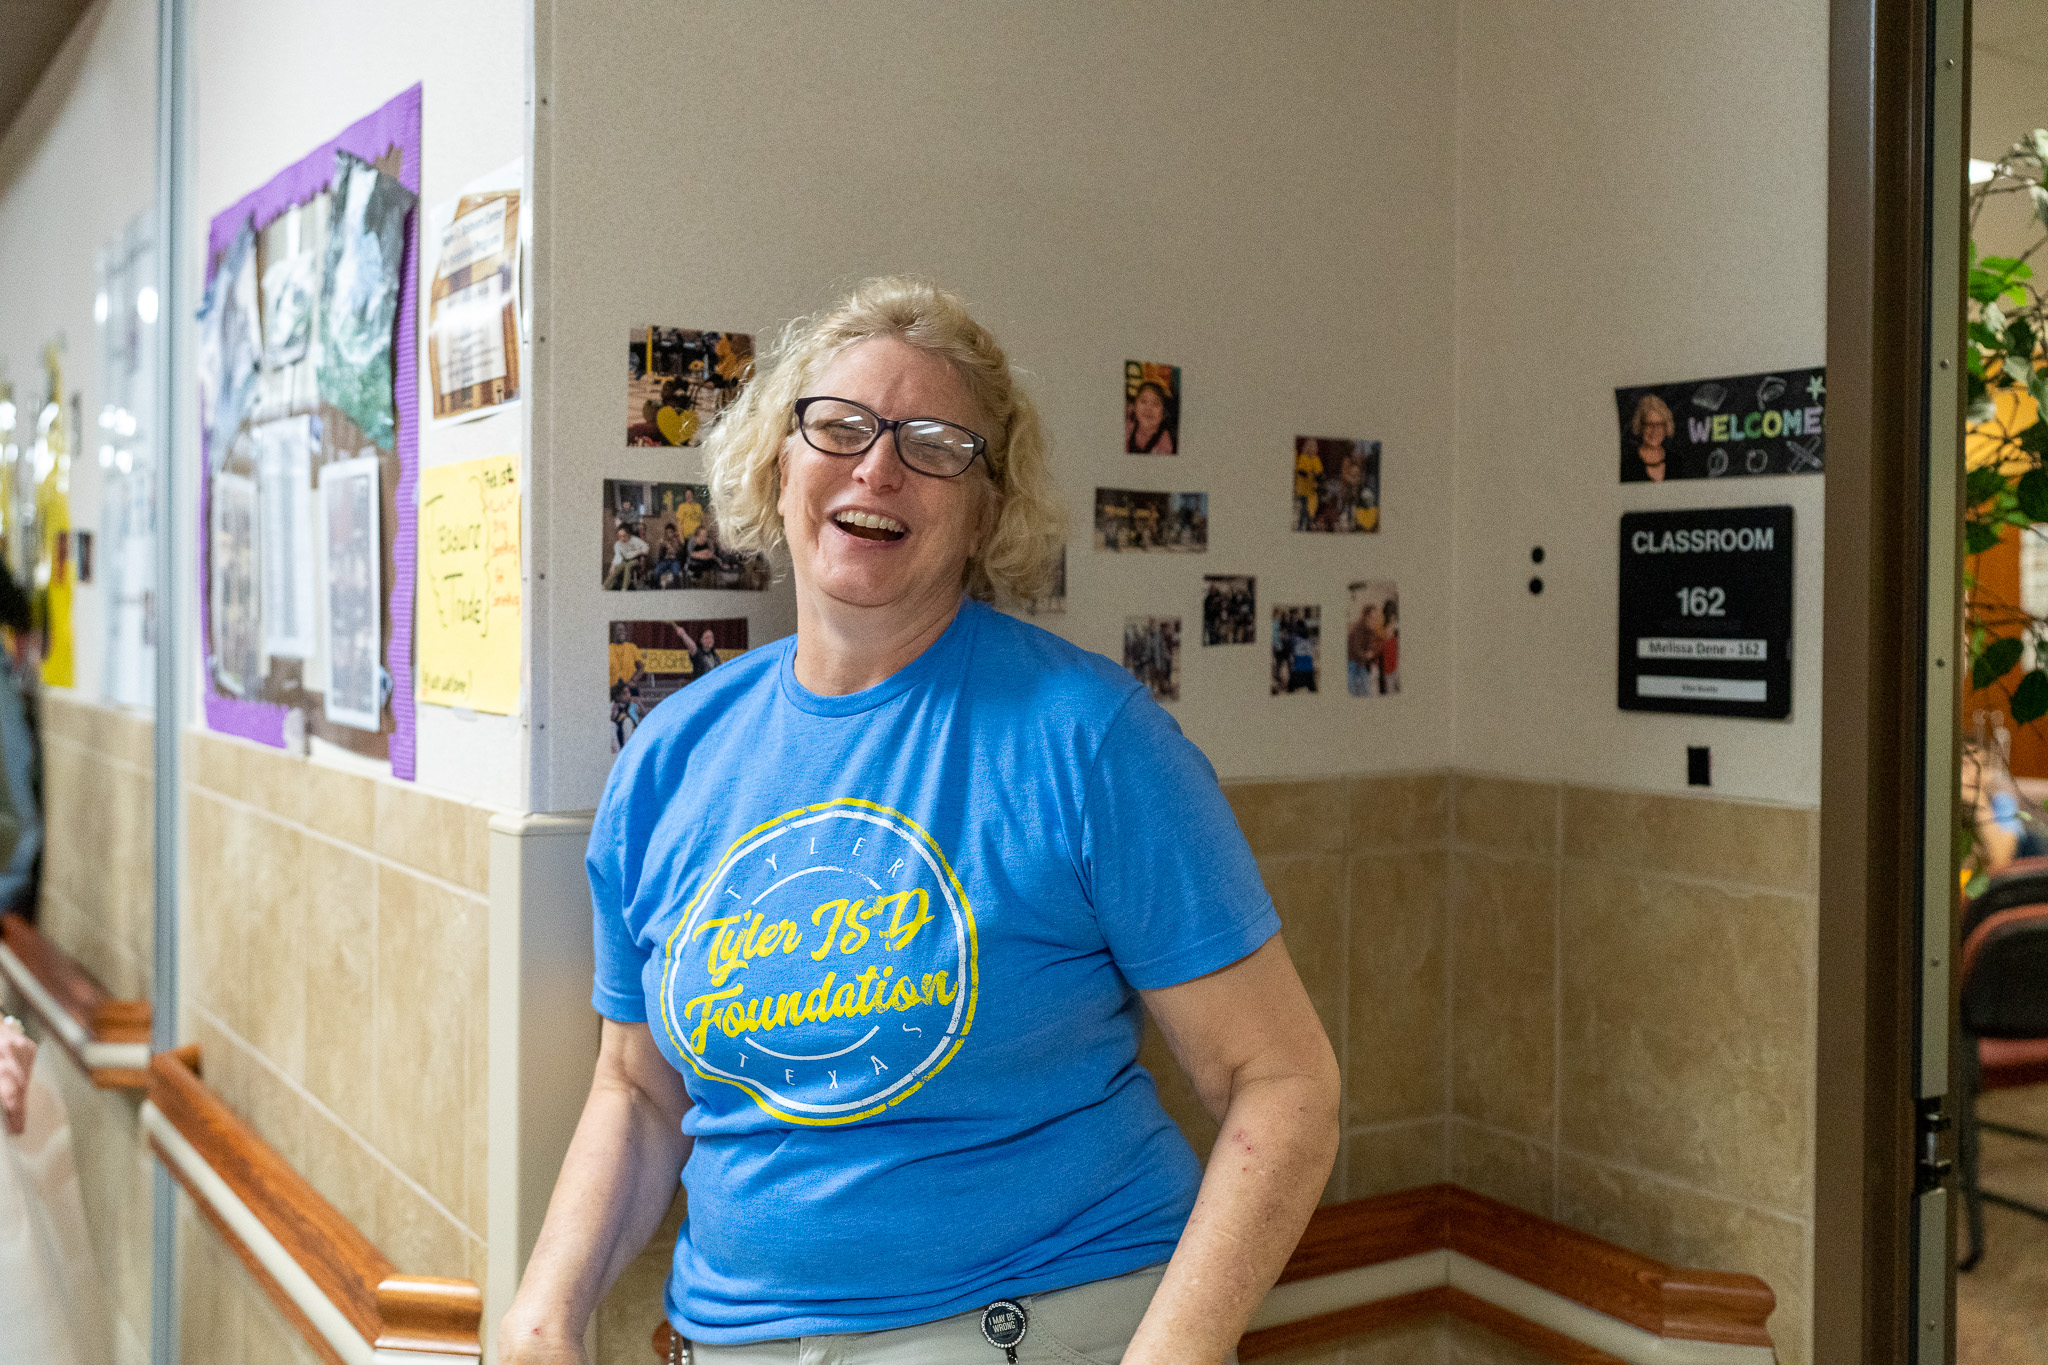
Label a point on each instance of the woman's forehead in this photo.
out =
(899, 380)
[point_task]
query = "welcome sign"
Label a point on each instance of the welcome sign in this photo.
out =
(1750, 424)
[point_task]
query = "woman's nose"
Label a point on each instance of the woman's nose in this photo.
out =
(881, 466)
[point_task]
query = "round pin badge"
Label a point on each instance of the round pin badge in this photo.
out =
(1004, 1323)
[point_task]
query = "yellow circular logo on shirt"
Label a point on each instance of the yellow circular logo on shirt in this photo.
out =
(828, 967)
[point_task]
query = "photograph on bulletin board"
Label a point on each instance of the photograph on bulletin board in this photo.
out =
(309, 409)
(1230, 610)
(1132, 520)
(1151, 408)
(1297, 648)
(1372, 640)
(679, 380)
(1336, 485)
(653, 660)
(663, 536)
(1152, 654)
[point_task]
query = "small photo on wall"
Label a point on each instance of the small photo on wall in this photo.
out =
(1054, 600)
(1152, 653)
(1230, 610)
(1297, 648)
(653, 660)
(1151, 408)
(661, 535)
(1372, 640)
(678, 380)
(1336, 485)
(1132, 520)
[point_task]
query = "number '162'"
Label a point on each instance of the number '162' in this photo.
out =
(1702, 602)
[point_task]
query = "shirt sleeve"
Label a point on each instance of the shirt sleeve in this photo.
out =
(1174, 885)
(611, 863)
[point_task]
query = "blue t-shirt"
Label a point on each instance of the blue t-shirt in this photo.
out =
(891, 940)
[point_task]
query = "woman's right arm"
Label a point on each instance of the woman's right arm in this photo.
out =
(617, 1181)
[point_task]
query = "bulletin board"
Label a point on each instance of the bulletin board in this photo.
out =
(283, 660)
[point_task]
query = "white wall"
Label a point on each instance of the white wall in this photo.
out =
(75, 167)
(1258, 193)
(1641, 198)
(273, 81)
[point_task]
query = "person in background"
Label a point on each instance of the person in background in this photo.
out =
(1145, 430)
(704, 657)
(668, 559)
(21, 807)
(1390, 647)
(879, 910)
(627, 552)
(17, 1062)
(1651, 426)
(1363, 645)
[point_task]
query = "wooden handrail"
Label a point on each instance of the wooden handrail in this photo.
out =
(107, 1038)
(389, 1312)
(1648, 1295)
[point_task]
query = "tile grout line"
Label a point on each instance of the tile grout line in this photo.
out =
(318, 1105)
(1639, 1173)
(456, 888)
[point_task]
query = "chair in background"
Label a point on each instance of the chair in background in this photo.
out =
(2004, 1016)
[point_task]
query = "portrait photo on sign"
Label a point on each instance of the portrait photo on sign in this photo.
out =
(662, 536)
(1230, 610)
(1336, 485)
(1152, 653)
(1151, 408)
(653, 660)
(1372, 640)
(1133, 520)
(679, 380)
(1735, 427)
(1297, 648)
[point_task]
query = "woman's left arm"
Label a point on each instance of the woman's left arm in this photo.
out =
(1259, 1059)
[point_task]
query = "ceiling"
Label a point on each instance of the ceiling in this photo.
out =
(33, 29)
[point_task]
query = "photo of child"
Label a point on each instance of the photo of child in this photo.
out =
(1230, 610)
(1372, 640)
(653, 660)
(678, 381)
(1336, 485)
(661, 535)
(1151, 408)
(1297, 647)
(1152, 653)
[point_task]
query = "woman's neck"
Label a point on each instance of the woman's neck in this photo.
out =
(842, 648)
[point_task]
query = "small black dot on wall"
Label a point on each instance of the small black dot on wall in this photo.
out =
(1536, 586)
(1699, 766)
(1536, 555)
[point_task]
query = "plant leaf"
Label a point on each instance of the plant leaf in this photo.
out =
(1999, 658)
(1983, 484)
(1979, 537)
(2033, 495)
(2030, 698)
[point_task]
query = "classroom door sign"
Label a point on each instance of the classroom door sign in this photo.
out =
(1706, 612)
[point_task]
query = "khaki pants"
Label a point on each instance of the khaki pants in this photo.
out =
(1090, 1324)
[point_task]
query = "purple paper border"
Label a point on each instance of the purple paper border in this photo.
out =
(397, 124)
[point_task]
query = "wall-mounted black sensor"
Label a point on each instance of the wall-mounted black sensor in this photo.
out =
(1535, 585)
(1699, 766)
(1536, 555)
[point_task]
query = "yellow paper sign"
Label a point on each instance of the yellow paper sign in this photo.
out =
(469, 585)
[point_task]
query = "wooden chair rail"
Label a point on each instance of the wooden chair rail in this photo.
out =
(1665, 1301)
(391, 1313)
(107, 1038)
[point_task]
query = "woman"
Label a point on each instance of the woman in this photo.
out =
(1651, 426)
(876, 994)
(704, 656)
(1145, 431)
(668, 559)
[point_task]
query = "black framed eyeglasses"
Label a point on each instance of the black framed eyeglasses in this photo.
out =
(840, 426)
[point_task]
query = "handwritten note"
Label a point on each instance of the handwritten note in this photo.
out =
(469, 609)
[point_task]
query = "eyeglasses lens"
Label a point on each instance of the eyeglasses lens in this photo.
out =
(839, 428)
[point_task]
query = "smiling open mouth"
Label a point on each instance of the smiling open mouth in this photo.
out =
(869, 525)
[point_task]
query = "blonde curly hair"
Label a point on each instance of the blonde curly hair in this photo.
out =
(1025, 525)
